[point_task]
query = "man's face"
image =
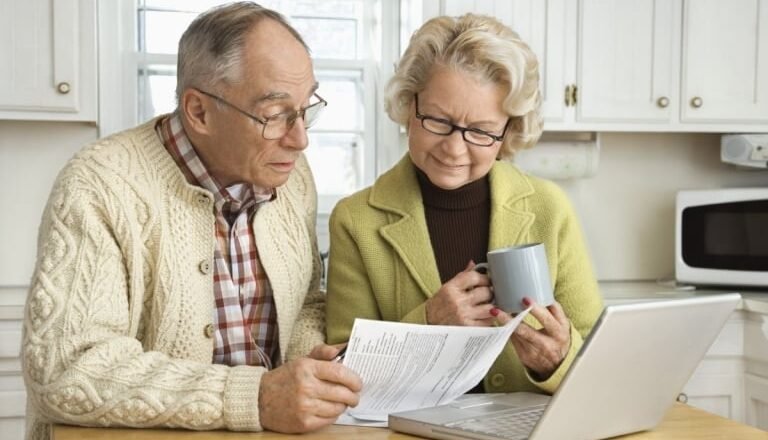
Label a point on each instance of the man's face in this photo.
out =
(276, 77)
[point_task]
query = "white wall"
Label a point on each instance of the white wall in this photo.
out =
(31, 155)
(627, 209)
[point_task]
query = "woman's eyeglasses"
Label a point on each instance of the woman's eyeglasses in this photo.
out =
(444, 127)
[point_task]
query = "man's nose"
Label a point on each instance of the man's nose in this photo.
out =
(296, 136)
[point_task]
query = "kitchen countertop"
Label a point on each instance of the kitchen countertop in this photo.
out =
(616, 292)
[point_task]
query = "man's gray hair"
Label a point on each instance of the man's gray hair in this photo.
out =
(211, 49)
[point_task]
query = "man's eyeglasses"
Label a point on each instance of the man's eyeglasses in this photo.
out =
(276, 126)
(444, 127)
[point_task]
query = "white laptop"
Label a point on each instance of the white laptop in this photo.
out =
(626, 376)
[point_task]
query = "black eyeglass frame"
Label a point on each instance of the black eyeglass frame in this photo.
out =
(454, 127)
(300, 113)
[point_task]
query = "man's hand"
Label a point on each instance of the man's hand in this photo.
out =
(307, 393)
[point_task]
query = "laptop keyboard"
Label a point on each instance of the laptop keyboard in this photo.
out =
(512, 425)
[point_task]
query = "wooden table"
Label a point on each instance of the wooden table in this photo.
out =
(682, 422)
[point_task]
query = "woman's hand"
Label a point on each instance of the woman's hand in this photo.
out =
(463, 300)
(543, 350)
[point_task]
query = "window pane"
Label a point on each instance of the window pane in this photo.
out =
(157, 87)
(343, 91)
(317, 8)
(327, 37)
(335, 161)
(332, 29)
(162, 30)
(182, 5)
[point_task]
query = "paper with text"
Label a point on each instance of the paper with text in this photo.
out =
(409, 366)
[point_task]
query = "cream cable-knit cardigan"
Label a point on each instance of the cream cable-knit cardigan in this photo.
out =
(115, 322)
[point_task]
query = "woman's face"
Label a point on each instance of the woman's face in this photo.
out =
(449, 161)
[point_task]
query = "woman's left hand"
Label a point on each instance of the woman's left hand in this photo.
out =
(542, 350)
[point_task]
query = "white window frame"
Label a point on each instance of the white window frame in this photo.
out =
(119, 61)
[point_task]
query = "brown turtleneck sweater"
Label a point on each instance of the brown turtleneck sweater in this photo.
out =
(458, 221)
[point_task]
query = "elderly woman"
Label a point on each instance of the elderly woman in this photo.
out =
(466, 90)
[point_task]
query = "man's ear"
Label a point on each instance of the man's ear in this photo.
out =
(194, 107)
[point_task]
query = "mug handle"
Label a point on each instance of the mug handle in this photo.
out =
(483, 266)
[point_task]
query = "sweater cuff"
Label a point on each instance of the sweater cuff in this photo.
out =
(241, 398)
(551, 384)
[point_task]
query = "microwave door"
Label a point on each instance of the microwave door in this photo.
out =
(726, 236)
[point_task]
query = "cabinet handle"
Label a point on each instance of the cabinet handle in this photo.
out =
(63, 88)
(696, 102)
(571, 95)
(682, 398)
(662, 102)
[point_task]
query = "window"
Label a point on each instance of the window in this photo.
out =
(345, 37)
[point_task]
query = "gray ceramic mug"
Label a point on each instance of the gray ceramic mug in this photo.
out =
(517, 272)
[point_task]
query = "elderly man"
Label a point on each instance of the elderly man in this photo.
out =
(177, 277)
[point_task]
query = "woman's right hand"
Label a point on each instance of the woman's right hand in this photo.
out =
(463, 300)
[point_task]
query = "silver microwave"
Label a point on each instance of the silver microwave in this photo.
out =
(721, 237)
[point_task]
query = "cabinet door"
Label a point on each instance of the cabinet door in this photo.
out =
(49, 59)
(721, 394)
(546, 26)
(626, 61)
(725, 61)
(756, 389)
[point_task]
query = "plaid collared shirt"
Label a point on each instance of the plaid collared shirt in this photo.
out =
(244, 319)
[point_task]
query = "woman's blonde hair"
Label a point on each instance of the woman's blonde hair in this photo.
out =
(481, 46)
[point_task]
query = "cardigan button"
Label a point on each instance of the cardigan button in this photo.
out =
(203, 200)
(498, 380)
(205, 267)
(208, 331)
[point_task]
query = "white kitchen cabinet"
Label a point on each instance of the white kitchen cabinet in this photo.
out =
(756, 377)
(642, 65)
(756, 395)
(48, 48)
(725, 62)
(12, 392)
(717, 385)
(626, 60)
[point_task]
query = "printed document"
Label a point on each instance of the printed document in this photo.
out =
(409, 366)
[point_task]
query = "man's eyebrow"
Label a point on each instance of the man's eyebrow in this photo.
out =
(277, 96)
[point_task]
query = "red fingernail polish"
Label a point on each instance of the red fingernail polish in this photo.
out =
(494, 312)
(526, 301)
